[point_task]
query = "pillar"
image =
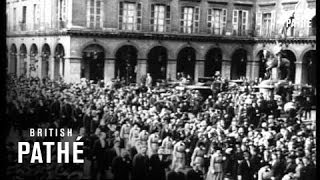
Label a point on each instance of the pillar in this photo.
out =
(19, 72)
(72, 69)
(51, 67)
(27, 59)
(255, 69)
(171, 69)
(39, 69)
(199, 71)
(226, 69)
(109, 70)
(298, 75)
(141, 69)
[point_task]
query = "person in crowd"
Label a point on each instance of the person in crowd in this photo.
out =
(245, 170)
(140, 163)
(121, 166)
(215, 171)
(178, 129)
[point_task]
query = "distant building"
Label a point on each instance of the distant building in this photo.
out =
(126, 39)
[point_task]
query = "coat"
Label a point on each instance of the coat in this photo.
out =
(245, 171)
(121, 168)
(140, 167)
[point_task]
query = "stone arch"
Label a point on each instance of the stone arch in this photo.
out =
(186, 61)
(22, 59)
(239, 63)
(59, 61)
(126, 63)
(308, 74)
(97, 43)
(92, 63)
(157, 59)
(177, 51)
(45, 58)
(127, 43)
(213, 61)
(13, 63)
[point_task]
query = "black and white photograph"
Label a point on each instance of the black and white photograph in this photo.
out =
(160, 89)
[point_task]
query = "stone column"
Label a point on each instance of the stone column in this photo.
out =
(141, 69)
(72, 69)
(39, 69)
(51, 67)
(27, 59)
(199, 71)
(255, 69)
(226, 69)
(298, 74)
(171, 69)
(109, 70)
(61, 62)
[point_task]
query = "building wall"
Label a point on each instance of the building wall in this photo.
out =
(76, 13)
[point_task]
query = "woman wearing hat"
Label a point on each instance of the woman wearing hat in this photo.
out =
(198, 156)
(215, 171)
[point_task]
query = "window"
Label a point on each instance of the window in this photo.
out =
(160, 18)
(240, 22)
(94, 18)
(312, 27)
(62, 14)
(14, 22)
(266, 24)
(130, 16)
(189, 20)
(23, 20)
(217, 20)
(36, 19)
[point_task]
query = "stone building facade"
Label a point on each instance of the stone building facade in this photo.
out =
(106, 39)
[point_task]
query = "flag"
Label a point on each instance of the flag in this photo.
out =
(289, 22)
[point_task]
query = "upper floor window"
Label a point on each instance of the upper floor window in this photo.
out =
(217, 20)
(62, 14)
(160, 18)
(130, 16)
(313, 27)
(36, 19)
(265, 22)
(14, 21)
(240, 22)
(190, 17)
(24, 18)
(94, 13)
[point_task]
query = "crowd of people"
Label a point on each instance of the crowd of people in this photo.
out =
(159, 132)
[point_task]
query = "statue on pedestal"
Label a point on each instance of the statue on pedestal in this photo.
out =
(278, 61)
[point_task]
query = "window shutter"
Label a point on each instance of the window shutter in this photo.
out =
(168, 19)
(209, 20)
(196, 18)
(88, 13)
(182, 19)
(120, 15)
(101, 13)
(139, 16)
(64, 10)
(244, 22)
(273, 22)
(152, 18)
(258, 23)
(224, 21)
(235, 22)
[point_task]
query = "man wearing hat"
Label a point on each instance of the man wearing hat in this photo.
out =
(140, 163)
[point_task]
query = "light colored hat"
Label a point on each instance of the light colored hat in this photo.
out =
(228, 150)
